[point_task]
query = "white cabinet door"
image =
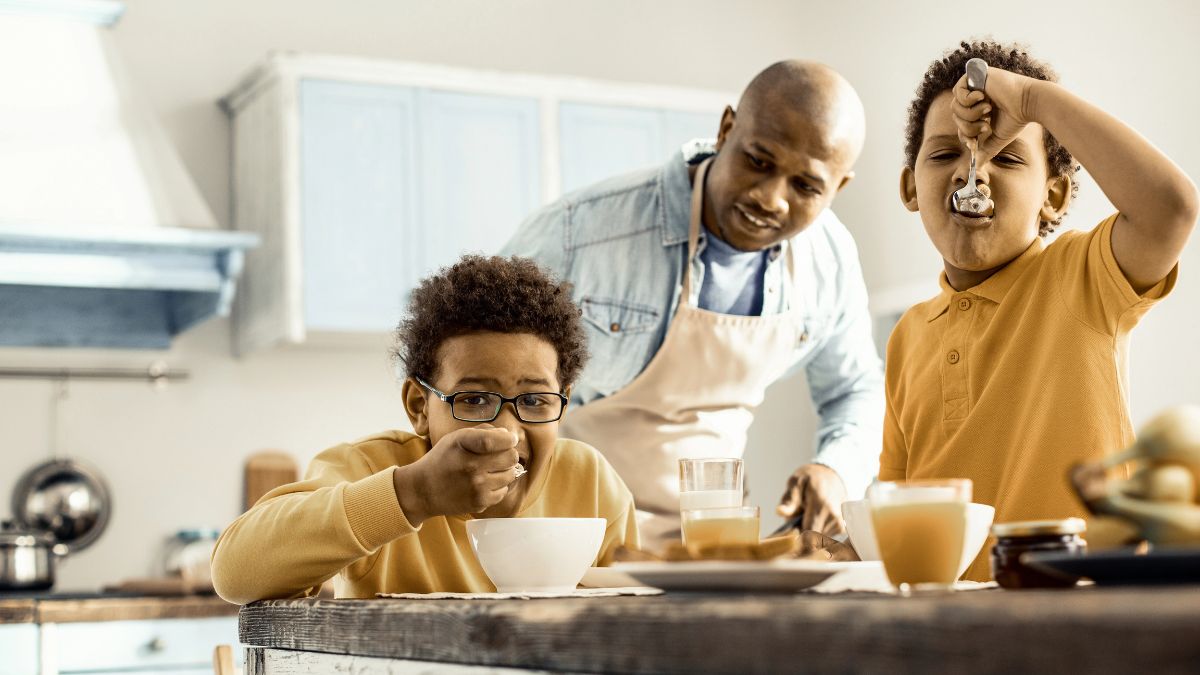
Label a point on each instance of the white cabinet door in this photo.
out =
(480, 174)
(358, 202)
(600, 141)
(597, 142)
(141, 646)
(397, 182)
(18, 649)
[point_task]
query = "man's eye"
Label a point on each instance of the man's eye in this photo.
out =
(806, 187)
(1006, 158)
(943, 155)
(532, 401)
(474, 399)
(755, 162)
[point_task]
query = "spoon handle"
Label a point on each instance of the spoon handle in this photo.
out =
(977, 74)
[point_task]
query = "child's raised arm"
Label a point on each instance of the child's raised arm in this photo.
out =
(1157, 201)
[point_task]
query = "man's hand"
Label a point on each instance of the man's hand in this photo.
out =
(467, 471)
(816, 546)
(815, 492)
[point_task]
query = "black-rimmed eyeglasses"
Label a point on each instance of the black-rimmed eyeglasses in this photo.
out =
(535, 407)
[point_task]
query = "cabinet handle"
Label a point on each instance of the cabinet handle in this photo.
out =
(156, 645)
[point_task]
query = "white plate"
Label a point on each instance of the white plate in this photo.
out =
(733, 575)
(607, 577)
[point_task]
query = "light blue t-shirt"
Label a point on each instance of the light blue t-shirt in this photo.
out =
(733, 279)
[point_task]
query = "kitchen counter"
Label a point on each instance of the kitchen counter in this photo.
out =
(1087, 629)
(48, 609)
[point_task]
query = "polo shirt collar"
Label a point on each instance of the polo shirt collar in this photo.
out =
(995, 287)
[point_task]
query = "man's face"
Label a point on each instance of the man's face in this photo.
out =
(775, 171)
(1017, 179)
(508, 364)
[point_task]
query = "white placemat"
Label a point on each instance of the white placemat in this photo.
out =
(577, 593)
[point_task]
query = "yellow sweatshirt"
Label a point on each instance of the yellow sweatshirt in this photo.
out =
(344, 519)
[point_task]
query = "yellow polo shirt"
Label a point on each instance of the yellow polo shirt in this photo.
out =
(1013, 381)
(343, 521)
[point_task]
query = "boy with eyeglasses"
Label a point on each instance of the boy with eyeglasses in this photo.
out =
(491, 347)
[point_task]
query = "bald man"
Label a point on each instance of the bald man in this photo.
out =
(707, 279)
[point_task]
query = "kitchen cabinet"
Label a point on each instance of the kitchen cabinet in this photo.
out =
(361, 177)
(18, 649)
(54, 634)
(600, 141)
(135, 646)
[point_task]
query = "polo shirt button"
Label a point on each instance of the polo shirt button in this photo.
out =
(953, 356)
(616, 327)
(804, 337)
(964, 304)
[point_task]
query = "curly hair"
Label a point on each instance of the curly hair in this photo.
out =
(504, 295)
(945, 72)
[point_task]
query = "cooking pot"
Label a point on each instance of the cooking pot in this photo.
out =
(61, 507)
(27, 558)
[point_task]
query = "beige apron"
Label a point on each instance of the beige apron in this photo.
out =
(696, 397)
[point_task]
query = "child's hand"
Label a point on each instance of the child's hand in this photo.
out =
(989, 120)
(467, 471)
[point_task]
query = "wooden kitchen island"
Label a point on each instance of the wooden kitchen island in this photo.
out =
(1086, 629)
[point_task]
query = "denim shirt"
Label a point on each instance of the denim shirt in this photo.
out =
(622, 243)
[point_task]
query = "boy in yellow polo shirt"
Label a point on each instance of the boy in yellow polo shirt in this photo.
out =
(491, 347)
(1017, 369)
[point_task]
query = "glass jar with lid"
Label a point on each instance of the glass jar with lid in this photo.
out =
(188, 554)
(1028, 536)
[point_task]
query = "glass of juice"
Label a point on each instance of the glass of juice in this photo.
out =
(725, 526)
(920, 527)
(710, 483)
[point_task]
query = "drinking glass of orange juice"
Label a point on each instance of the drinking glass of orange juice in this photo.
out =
(920, 526)
(724, 526)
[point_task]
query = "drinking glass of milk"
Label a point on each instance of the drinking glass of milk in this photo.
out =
(920, 527)
(710, 483)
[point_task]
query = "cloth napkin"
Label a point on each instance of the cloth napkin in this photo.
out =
(577, 593)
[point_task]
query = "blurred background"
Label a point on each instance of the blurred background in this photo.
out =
(174, 456)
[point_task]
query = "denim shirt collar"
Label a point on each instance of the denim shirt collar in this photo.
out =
(676, 200)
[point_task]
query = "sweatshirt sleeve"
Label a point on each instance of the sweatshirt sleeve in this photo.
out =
(621, 532)
(299, 535)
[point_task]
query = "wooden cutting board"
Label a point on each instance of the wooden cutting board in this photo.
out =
(266, 470)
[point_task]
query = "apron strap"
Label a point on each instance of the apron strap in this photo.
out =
(694, 229)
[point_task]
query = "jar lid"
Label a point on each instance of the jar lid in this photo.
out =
(13, 534)
(1037, 528)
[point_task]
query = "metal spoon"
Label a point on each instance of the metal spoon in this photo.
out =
(519, 471)
(969, 199)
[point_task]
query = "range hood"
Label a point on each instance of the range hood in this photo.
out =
(105, 240)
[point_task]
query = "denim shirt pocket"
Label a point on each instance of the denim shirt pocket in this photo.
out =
(621, 339)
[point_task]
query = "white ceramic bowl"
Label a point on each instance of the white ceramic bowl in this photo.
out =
(857, 515)
(547, 555)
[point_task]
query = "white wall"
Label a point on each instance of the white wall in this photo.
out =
(174, 457)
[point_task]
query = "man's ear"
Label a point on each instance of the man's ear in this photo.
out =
(727, 119)
(1058, 198)
(415, 398)
(566, 405)
(845, 180)
(908, 189)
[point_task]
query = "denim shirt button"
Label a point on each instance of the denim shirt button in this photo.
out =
(616, 327)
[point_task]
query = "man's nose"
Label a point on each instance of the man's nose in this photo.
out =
(770, 194)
